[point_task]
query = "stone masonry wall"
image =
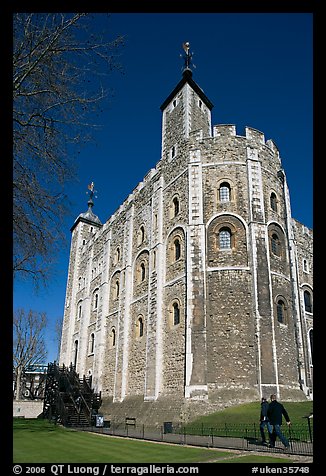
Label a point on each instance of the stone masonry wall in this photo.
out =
(173, 311)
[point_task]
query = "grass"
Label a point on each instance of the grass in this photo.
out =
(38, 441)
(249, 413)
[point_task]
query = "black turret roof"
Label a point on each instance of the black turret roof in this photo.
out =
(187, 78)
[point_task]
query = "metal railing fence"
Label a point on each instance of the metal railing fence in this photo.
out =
(241, 436)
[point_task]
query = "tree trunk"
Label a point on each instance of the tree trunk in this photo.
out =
(18, 382)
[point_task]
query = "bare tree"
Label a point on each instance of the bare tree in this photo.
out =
(60, 61)
(57, 334)
(28, 343)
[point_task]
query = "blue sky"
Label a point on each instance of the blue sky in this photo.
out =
(257, 70)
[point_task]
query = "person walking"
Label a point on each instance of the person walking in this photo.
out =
(264, 421)
(274, 413)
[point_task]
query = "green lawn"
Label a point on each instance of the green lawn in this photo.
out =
(248, 414)
(38, 441)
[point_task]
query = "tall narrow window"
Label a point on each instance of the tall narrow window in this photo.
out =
(113, 337)
(95, 301)
(224, 192)
(142, 234)
(175, 206)
(117, 288)
(117, 255)
(307, 301)
(79, 311)
(91, 344)
(275, 244)
(310, 340)
(142, 272)
(273, 201)
(225, 239)
(280, 311)
(75, 353)
(140, 327)
(177, 249)
(176, 313)
(305, 266)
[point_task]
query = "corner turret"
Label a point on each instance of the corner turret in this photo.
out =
(88, 216)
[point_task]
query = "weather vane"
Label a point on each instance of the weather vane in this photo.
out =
(91, 191)
(188, 56)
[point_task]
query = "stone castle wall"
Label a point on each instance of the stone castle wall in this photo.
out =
(161, 310)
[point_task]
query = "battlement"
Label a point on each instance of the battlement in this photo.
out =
(254, 135)
(229, 130)
(124, 205)
(224, 130)
(251, 134)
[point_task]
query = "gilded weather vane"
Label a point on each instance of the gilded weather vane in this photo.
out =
(188, 56)
(91, 191)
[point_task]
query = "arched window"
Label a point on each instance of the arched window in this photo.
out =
(142, 234)
(280, 311)
(307, 301)
(225, 239)
(176, 207)
(95, 300)
(140, 327)
(177, 249)
(155, 221)
(75, 353)
(275, 244)
(224, 192)
(142, 272)
(273, 202)
(176, 313)
(79, 311)
(113, 335)
(91, 343)
(117, 255)
(117, 288)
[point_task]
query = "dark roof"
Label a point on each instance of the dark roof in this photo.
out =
(187, 78)
(87, 217)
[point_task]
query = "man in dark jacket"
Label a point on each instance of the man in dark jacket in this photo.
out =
(264, 421)
(274, 413)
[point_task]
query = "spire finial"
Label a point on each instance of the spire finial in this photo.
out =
(188, 56)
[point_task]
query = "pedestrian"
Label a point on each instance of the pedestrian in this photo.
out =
(274, 413)
(264, 421)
